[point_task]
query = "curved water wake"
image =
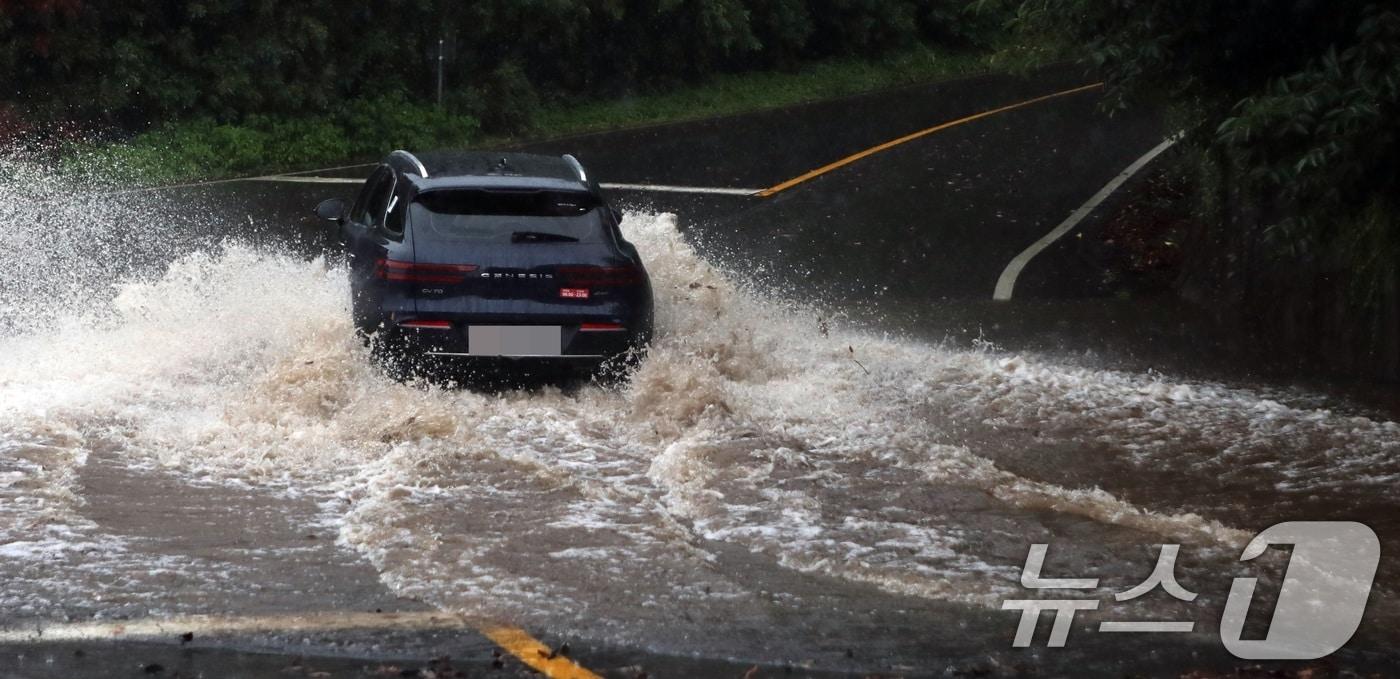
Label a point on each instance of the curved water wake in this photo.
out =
(752, 435)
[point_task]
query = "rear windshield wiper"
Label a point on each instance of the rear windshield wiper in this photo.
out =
(540, 237)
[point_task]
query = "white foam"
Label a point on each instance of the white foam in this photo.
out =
(746, 427)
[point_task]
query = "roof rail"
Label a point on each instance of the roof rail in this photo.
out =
(422, 171)
(578, 167)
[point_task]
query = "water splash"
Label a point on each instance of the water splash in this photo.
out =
(754, 431)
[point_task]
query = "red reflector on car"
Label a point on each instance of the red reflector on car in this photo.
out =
(573, 293)
(429, 325)
(601, 327)
(413, 272)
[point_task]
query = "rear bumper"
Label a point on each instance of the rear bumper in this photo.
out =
(578, 344)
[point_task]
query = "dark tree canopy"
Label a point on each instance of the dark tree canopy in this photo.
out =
(1303, 95)
(132, 62)
(1293, 108)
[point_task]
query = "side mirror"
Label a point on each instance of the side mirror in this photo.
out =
(331, 209)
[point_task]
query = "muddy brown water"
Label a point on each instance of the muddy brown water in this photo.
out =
(206, 436)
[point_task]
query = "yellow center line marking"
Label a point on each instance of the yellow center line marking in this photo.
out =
(911, 137)
(513, 640)
(539, 657)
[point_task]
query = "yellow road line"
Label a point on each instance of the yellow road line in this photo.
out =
(911, 137)
(539, 657)
(513, 640)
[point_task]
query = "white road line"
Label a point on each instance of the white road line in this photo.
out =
(331, 169)
(1007, 283)
(661, 188)
(187, 185)
(230, 180)
(515, 641)
(205, 625)
(306, 180)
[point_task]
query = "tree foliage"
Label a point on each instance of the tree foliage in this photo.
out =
(1296, 103)
(1304, 94)
(131, 63)
(1325, 136)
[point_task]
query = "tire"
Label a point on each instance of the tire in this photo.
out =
(396, 358)
(363, 314)
(618, 369)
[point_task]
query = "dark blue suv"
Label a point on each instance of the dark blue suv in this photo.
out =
(506, 258)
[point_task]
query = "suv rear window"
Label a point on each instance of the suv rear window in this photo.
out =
(497, 215)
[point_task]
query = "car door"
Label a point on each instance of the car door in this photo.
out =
(367, 243)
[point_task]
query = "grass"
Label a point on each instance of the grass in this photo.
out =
(758, 90)
(202, 149)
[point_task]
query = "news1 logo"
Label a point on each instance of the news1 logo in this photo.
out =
(1319, 607)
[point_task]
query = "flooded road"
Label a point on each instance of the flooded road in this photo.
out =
(189, 426)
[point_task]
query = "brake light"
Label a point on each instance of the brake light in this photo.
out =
(601, 327)
(599, 276)
(428, 325)
(413, 272)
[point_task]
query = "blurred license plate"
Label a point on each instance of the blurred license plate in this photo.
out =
(513, 340)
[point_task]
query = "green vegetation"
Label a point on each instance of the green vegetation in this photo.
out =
(1301, 105)
(204, 148)
(737, 93)
(220, 87)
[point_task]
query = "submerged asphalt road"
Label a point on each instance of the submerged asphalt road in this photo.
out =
(909, 240)
(932, 219)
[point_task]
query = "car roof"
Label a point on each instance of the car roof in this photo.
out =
(468, 169)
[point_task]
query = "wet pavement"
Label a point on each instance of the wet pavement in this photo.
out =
(833, 461)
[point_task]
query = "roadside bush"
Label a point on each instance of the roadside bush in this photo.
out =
(203, 147)
(229, 59)
(300, 142)
(231, 87)
(505, 102)
(962, 24)
(867, 27)
(782, 29)
(393, 121)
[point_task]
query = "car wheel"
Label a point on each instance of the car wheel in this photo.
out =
(399, 361)
(618, 369)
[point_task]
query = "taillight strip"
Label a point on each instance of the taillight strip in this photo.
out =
(427, 324)
(414, 272)
(601, 327)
